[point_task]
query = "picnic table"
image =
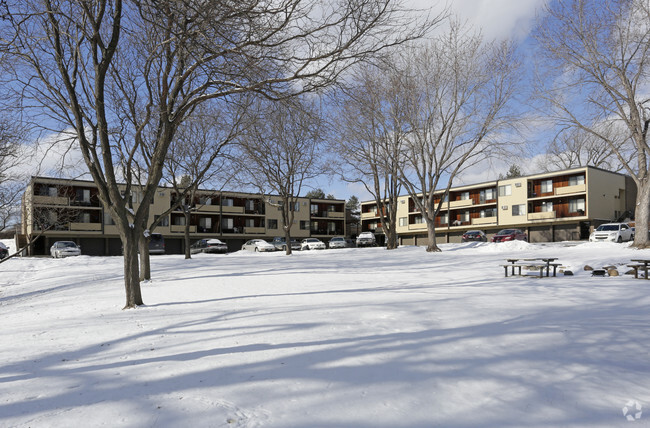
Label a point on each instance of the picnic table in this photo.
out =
(541, 263)
(640, 264)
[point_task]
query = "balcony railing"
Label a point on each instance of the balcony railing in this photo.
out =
(86, 226)
(578, 188)
(335, 214)
(232, 209)
(250, 229)
(484, 220)
(541, 216)
(181, 228)
(463, 203)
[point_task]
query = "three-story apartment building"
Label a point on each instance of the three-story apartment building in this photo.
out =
(557, 206)
(71, 210)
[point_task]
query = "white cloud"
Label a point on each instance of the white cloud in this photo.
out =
(497, 19)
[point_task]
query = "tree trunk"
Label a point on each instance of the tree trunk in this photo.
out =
(391, 236)
(145, 261)
(287, 240)
(431, 237)
(642, 215)
(186, 237)
(130, 239)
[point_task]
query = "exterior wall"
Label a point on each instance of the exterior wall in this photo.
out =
(606, 196)
(518, 196)
(550, 207)
(89, 226)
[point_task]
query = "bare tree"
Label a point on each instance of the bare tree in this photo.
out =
(11, 178)
(88, 64)
(596, 59)
(573, 148)
(280, 153)
(368, 122)
(447, 105)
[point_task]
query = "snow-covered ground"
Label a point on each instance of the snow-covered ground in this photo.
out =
(336, 338)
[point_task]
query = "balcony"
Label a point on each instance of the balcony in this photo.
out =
(50, 200)
(335, 214)
(463, 203)
(566, 190)
(210, 208)
(232, 209)
(178, 228)
(484, 220)
(418, 226)
(254, 230)
(541, 216)
(89, 227)
(372, 214)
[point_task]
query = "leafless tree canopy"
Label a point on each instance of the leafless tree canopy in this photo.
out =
(433, 111)
(280, 152)
(596, 72)
(118, 72)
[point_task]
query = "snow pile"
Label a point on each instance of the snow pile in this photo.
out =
(335, 338)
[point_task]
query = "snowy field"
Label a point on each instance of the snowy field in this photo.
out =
(336, 338)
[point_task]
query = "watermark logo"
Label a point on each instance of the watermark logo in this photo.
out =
(632, 410)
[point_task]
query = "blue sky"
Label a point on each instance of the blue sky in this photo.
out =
(497, 20)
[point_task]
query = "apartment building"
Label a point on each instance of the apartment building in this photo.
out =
(558, 206)
(71, 210)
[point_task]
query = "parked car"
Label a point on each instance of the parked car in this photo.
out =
(614, 232)
(257, 245)
(510, 235)
(280, 243)
(366, 239)
(312, 244)
(157, 244)
(339, 242)
(209, 246)
(64, 249)
(474, 236)
(4, 251)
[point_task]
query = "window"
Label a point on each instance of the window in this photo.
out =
(84, 218)
(296, 206)
(205, 200)
(51, 191)
(249, 222)
(444, 218)
(547, 186)
(272, 223)
(227, 223)
(464, 216)
(205, 222)
(464, 196)
(331, 227)
(576, 180)
(304, 225)
(249, 205)
(314, 209)
(519, 209)
(418, 219)
(83, 195)
(403, 221)
(505, 190)
(179, 221)
(228, 202)
(108, 219)
(547, 207)
(488, 212)
(577, 206)
(163, 223)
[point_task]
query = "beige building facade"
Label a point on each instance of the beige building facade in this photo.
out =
(558, 206)
(71, 210)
